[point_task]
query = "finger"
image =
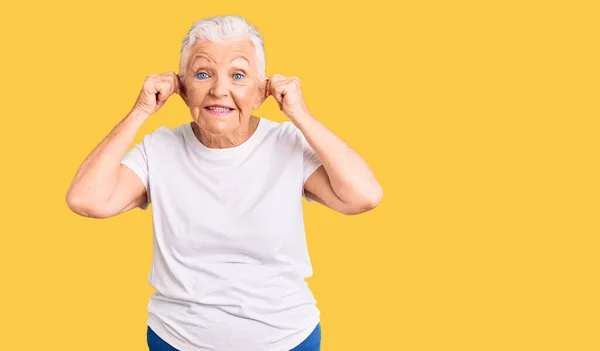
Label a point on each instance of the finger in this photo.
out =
(276, 78)
(169, 79)
(272, 84)
(160, 98)
(283, 91)
(271, 87)
(279, 82)
(176, 83)
(277, 95)
(279, 90)
(172, 81)
(168, 88)
(164, 91)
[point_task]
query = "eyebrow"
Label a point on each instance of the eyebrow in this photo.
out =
(208, 58)
(242, 57)
(201, 56)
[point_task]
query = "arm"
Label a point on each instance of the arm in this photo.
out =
(103, 187)
(344, 182)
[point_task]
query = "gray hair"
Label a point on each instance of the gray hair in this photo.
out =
(221, 28)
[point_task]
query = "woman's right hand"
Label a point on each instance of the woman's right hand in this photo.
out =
(156, 90)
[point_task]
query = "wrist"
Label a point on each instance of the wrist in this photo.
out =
(138, 114)
(300, 115)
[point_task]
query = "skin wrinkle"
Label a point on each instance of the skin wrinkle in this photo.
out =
(207, 55)
(212, 143)
(220, 61)
(212, 60)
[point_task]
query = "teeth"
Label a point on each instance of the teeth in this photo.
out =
(219, 109)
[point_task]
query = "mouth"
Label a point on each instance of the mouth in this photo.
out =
(219, 110)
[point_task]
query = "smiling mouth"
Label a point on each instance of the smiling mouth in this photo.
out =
(218, 108)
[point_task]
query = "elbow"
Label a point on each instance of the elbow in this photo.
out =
(367, 203)
(78, 206)
(376, 197)
(73, 202)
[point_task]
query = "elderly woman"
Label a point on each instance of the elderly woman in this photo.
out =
(229, 254)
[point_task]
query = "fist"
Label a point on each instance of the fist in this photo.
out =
(156, 90)
(287, 92)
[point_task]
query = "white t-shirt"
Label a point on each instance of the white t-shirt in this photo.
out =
(229, 251)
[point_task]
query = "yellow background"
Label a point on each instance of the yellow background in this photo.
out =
(480, 120)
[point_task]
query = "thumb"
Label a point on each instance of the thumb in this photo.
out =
(279, 95)
(161, 98)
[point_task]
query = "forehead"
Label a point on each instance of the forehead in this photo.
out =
(220, 51)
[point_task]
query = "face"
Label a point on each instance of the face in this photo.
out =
(221, 85)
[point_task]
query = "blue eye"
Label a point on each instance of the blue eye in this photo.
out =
(202, 75)
(235, 76)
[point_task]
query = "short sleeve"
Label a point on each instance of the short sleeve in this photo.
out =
(137, 160)
(311, 162)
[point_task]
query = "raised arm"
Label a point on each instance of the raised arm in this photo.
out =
(344, 182)
(102, 186)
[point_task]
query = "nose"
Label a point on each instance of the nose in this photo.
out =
(220, 86)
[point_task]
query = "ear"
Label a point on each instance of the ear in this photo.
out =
(262, 94)
(183, 91)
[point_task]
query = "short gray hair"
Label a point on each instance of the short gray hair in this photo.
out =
(221, 28)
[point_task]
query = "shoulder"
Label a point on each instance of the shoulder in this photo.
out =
(165, 136)
(284, 138)
(283, 131)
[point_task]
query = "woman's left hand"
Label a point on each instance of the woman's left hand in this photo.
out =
(287, 92)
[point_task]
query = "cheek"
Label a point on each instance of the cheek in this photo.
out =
(244, 96)
(196, 94)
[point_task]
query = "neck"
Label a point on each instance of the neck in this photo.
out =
(237, 137)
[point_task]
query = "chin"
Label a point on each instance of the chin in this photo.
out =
(219, 125)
